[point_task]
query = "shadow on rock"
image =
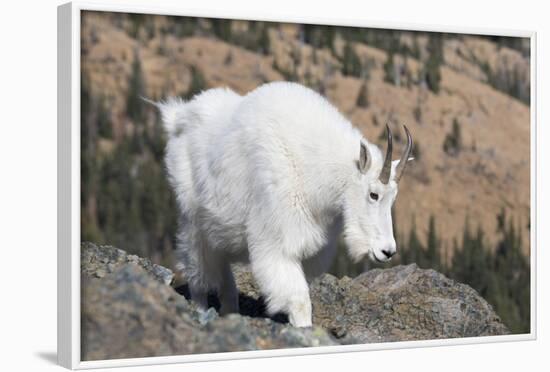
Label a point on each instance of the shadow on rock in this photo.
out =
(248, 305)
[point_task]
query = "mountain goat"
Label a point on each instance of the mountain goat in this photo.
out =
(273, 178)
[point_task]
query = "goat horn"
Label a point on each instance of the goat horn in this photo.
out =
(405, 157)
(386, 168)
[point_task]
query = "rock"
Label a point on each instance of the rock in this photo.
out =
(401, 303)
(129, 310)
(396, 304)
(97, 261)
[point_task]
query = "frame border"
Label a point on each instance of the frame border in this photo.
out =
(68, 189)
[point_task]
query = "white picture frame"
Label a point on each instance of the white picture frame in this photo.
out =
(69, 190)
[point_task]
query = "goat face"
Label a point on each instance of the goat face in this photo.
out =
(368, 203)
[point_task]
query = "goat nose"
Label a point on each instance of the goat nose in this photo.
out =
(388, 254)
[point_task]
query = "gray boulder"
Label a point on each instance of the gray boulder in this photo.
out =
(396, 304)
(98, 261)
(401, 303)
(130, 310)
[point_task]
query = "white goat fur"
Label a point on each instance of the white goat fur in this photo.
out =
(270, 178)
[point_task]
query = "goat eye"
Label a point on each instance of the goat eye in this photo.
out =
(373, 196)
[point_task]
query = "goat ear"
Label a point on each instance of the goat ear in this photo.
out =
(364, 158)
(395, 163)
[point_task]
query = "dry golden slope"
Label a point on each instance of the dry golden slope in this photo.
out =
(492, 172)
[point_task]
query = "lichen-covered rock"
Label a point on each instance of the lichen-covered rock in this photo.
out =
(128, 310)
(396, 304)
(98, 261)
(126, 313)
(401, 303)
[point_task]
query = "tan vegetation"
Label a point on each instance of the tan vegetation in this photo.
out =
(491, 170)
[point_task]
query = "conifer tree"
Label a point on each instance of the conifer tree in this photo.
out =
(389, 69)
(222, 29)
(135, 108)
(351, 64)
(433, 64)
(433, 246)
(105, 126)
(197, 85)
(452, 144)
(415, 248)
(264, 41)
(363, 97)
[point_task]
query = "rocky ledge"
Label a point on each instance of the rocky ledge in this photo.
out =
(130, 309)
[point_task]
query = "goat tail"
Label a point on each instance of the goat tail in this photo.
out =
(171, 111)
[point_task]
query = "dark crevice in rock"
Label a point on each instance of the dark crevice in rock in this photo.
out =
(248, 305)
